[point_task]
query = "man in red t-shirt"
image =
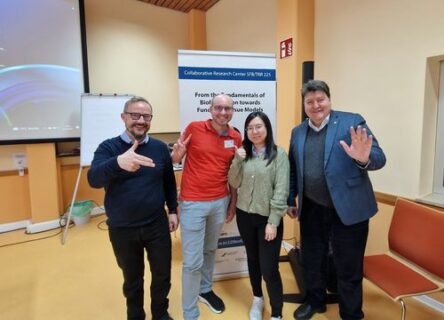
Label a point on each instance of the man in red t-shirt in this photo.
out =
(206, 201)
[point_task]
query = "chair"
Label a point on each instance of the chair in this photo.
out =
(415, 262)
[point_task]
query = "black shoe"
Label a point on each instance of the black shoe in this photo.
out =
(212, 301)
(306, 311)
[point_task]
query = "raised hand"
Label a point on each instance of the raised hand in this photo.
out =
(131, 161)
(180, 148)
(361, 145)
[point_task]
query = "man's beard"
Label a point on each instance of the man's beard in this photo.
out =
(138, 137)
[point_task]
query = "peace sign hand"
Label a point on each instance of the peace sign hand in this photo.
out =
(180, 148)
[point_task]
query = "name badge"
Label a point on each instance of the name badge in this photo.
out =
(229, 143)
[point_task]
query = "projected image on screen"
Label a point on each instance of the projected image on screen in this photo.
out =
(41, 76)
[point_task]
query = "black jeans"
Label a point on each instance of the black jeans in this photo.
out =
(319, 225)
(262, 257)
(129, 245)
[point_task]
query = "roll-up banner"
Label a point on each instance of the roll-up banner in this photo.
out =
(250, 80)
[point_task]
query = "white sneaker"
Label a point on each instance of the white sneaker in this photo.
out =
(257, 306)
(276, 318)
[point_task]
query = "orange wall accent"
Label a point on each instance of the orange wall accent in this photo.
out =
(43, 182)
(12, 186)
(295, 19)
(197, 30)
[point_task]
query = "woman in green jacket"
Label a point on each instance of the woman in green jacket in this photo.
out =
(260, 172)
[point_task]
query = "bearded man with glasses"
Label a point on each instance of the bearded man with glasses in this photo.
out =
(137, 174)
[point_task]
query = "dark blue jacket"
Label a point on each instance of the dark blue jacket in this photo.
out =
(349, 185)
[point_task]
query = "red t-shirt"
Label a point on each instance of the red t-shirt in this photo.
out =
(209, 155)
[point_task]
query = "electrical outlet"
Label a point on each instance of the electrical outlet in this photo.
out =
(19, 160)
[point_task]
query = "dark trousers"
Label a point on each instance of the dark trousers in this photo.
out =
(319, 225)
(262, 257)
(129, 245)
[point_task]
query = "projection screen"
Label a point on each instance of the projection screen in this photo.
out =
(41, 70)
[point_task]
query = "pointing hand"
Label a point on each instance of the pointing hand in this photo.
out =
(131, 161)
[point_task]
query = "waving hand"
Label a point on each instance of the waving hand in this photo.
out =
(361, 145)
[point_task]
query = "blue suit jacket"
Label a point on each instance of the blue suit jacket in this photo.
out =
(350, 188)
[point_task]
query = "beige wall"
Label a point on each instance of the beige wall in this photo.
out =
(374, 56)
(245, 26)
(132, 48)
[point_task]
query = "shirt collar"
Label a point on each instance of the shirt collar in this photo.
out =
(256, 153)
(226, 133)
(125, 137)
(323, 124)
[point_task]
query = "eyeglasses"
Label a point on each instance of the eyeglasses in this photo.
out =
(254, 128)
(136, 116)
(220, 108)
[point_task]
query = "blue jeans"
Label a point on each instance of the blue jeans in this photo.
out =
(200, 225)
(129, 245)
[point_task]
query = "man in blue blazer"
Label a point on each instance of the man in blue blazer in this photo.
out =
(330, 155)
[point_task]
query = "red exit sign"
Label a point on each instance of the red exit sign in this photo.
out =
(286, 48)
